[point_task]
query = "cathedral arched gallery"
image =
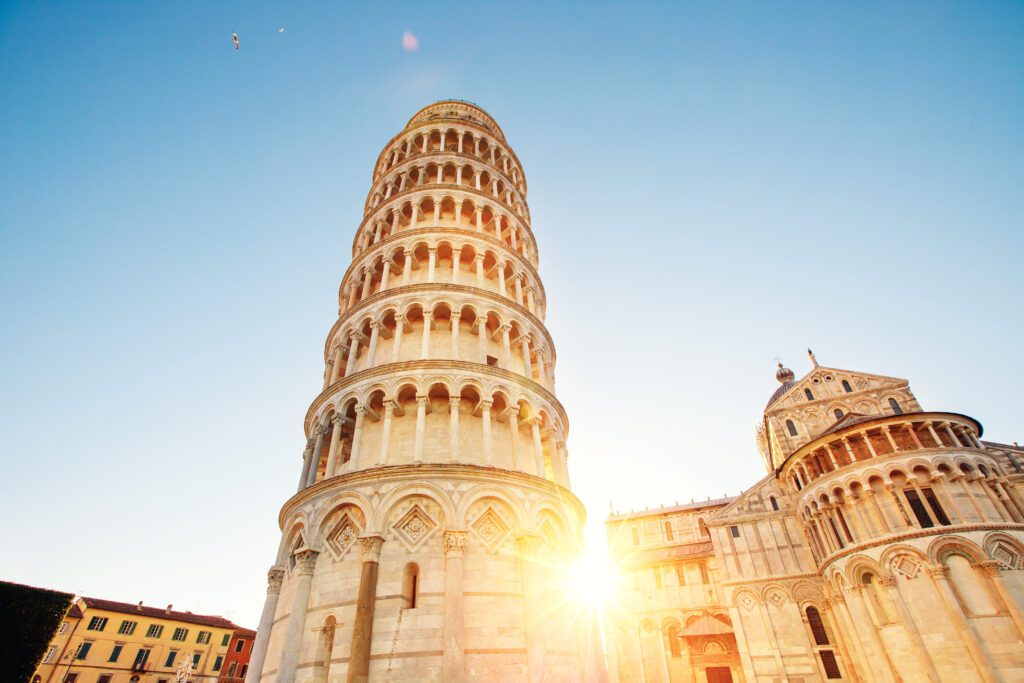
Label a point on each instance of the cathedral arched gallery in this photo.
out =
(433, 514)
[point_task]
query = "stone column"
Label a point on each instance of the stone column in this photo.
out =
(506, 344)
(338, 352)
(528, 546)
(562, 466)
(538, 448)
(530, 303)
(396, 350)
(328, 374)
(480, 271)
(428, 322)
(485, 411)
(385, 436)
(456, 317)
(955, 616)
(362, 628)
(259, 647)
(453, 426)
(357, 437)
(844, 639)
(453, 663)
(422, 403)
(501, 279)
(860, 615)
(307, 458)
(431, 264)
(518, 282)
(910, 628)
(524, 345)
(371, 354)
(305, 563)
(456, 260)
(314, 462)
(367, 281)
(407, 270)
(481, 331)
(332, 454)
(385, 274)
(353, 351)
(512, 413)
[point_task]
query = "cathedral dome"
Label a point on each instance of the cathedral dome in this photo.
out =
(785, 377)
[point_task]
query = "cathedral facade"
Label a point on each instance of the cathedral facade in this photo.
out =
(886, 543)
(433, 519)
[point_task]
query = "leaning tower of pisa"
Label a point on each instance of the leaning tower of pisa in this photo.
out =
(433, 520)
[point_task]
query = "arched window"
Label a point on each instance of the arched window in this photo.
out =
(668, 531)
(411, 585)
(896, 410)
(636, 536)
(809, 394)
(775, 503)
(672, 633)
(838, 413)
(791, 427)
(846, 387)
(817, 626)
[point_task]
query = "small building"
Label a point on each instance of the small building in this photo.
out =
(236, 662)
(104, 641)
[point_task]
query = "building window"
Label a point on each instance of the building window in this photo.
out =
(105, 678)
(775, 503)
(636, 536)
(410, 590)
(838, 413)
(940, 514)
(50, 652)
(917, 506)
(828, 660)
(735, 531)
(239, 646)
(97, 624)
(681, 574)
(155, 631)
(703, 528)
(70, 678)
(846, 387)
(668, 531)
(217, 662)
(703, 572)
(809, 394)
(83, 650)
(225, 639)
(170, 658)
(63, 628)
(127, 627)
(791, 427)
(245, 668)
(896, 410)
(195, 660)
(817, 626)
(203, 638)
(115, 654)
(180, 634)
(232, 667)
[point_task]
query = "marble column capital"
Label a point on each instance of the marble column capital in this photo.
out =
(990, 567)
(454, 542)
(370, 547)
(275, 576)
(305, 560)
(528, 544)
(938, 571)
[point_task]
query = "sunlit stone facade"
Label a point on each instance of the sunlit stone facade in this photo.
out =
(433, 517)
(885, 544)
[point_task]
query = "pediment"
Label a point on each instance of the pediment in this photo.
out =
(827, 384)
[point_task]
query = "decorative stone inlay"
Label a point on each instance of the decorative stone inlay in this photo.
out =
(343, 536)
(907, 567)
(747, 602)
(415, 527)
(1007, 556)
(777, 598)
(491, 529)
(454, 542)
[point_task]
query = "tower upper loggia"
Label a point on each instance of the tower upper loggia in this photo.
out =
(433, 520)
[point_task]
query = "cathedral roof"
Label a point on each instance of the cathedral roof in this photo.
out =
(779, 393)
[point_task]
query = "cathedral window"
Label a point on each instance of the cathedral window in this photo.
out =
(774, 502)
(846, 387)
(809, 394)
(838, 413)
(410, 588)
(668, 531)
(828, 661)
(817, 626)
(735, 530)
(896, 410)
(917, 505)
(791, 427)
(672, 633)
(933, 501)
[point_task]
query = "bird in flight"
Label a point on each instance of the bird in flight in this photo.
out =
(234, 39)
(281, 30)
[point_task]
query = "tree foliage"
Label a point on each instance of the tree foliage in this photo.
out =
(29, 618)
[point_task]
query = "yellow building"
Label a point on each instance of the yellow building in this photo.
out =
(102, 641)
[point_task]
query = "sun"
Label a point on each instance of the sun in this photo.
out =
(593, 581)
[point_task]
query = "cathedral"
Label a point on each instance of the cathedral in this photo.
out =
(433, 523)
(885, 543)
(433, 526)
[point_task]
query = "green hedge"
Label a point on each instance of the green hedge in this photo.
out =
(29, 618)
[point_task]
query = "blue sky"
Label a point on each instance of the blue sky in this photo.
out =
(711, 184)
